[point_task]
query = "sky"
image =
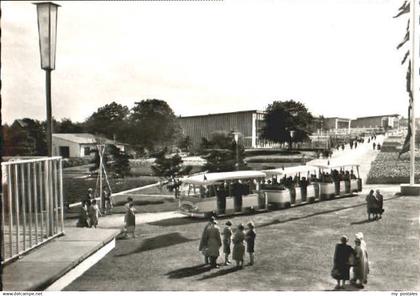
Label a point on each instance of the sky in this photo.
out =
(338, 57)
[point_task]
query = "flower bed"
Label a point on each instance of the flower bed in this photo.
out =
(388, 169)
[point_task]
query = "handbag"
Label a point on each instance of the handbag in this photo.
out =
(335, 273)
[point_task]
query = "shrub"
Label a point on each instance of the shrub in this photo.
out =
(75, 161)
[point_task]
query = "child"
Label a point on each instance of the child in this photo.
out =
(227, 238)
(94, 214)
(130, 220)
(250, 242)
(84, 217)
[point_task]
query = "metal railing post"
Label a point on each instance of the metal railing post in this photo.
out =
(30, 202)
(55, 194)
(47, 198)
(23, 197)
(60, 179)
(41, 199)
(35, 201)
(9, 193)
(17, 208)
(4, 184)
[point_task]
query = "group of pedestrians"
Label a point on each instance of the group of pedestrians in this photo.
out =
(375, 205)
(211, 242)
(347, 258)
(90, 211)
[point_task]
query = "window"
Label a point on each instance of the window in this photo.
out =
(86, 151)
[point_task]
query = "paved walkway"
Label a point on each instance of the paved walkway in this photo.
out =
(44, 265)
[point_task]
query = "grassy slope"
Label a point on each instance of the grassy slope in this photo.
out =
(294, 250)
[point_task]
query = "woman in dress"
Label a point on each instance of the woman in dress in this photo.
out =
(342, 258)
(238, 246)
(361, 264)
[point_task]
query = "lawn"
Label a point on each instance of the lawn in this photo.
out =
(75, 189)
(294, 250)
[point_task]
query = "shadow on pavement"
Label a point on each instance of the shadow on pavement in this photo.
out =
(219, 273)
(177, 221)
(278, 221)
(188, 271)
(157, 242)
(362, 222)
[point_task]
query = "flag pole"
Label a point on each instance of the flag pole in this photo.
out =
(415, 82)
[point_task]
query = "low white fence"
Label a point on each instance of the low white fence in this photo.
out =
(32, 204)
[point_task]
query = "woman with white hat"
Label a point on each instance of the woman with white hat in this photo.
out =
(361, 264)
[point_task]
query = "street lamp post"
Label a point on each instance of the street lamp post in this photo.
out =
(47, 28)
(236, 138)
(292, 134)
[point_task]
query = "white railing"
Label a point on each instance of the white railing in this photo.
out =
(32, 204)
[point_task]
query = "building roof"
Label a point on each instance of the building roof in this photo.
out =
(83, 138)
(376, 116)
(223, 113)
(339, 118)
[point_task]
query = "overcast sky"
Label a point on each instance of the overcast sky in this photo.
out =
(338, 57)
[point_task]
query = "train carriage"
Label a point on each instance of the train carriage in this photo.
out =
(218, 193)
(338, 179)
(290, 186)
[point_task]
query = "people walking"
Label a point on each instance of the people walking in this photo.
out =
(94, 213)
(342, 262)
(238, 246)
(250, 242)
(361, 263)
(227, 239)
(380, 203)
(84, 216)
(213, 242)
(203, 242)
(130, 220)
(371, 204)
(109, 204)
(374, 145)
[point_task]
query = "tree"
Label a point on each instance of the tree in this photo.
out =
(169, 166)
(115, 161)
(287, 121)
(109, 121)
(153, 125)
(69, 127)
(25, 137)
(185, 143)
(222, 152)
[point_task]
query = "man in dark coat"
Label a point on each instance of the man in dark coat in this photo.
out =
(342, 262)
(372, 205)
(203, 242)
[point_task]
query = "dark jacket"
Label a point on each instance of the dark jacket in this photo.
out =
(341, 260)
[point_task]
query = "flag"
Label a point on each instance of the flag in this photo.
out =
(406, 146)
